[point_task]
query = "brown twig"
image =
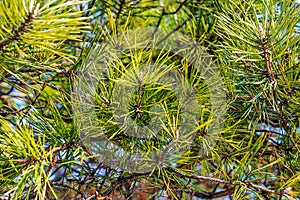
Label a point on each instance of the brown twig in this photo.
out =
(35, 99)
(235, 183)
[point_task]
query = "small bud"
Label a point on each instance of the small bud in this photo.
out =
(141, 76)
(106, 101)
(54, 159)
(177, 134)
(249, 169)
(21, 161)
(36, 10)
(118, 45)
(30, 7)
(261, 32)
(287, 190)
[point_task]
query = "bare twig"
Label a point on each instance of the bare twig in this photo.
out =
(235, 183)
(35, 99)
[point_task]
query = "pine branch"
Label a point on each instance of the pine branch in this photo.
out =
(24, 26)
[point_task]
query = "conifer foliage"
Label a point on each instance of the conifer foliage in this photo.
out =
(245, 139)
